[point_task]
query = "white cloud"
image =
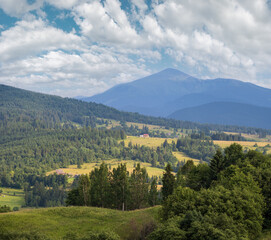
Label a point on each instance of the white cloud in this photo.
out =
(206, 38)
(32, 36)
(106, 24)
(63, 4)
(17, 8)
(68, 74)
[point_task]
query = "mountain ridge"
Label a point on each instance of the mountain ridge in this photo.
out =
(163, 93)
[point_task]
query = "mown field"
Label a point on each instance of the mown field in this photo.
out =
(184, 158)
(12, 197)
(88, 167)
(149, 142)
(247, 145)
(56, 223)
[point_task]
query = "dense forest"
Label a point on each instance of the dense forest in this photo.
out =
(228, 199)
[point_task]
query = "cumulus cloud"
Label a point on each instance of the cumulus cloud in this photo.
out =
(17, 8)
(115, 43)
(68, 74)
(106, 24)
(32, 36)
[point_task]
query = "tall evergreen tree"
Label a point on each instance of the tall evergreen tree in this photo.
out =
(168, 182)
(119, 187)
(84, 188)
(139, 188)
(217, 164)
(100, 186)
(153, 194)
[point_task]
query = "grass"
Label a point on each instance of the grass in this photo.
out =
(12, 197)
(182, 157)
(88, 167)
(224, 144)
(55, 223)
(149, 142)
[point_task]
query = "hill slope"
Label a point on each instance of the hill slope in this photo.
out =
(18, 105)
(227, 113)
(56, 223)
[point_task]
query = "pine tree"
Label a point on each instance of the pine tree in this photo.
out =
(217, 164)
(139, 188)
(153, 194)
(119, 187)
(168, 182)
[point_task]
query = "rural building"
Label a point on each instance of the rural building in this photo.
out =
(144, 135)
(60, 172)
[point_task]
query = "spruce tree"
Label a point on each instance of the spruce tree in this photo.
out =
(168, 182)
(217, 164)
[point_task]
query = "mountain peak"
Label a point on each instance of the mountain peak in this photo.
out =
(172, 71)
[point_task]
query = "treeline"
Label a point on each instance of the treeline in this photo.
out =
(228, 199)
(47, 191)
(196, 148)
(115, 189)
(227, 137)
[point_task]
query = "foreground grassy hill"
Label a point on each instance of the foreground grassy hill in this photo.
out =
(57, 223)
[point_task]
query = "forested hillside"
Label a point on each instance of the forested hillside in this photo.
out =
(22, 111)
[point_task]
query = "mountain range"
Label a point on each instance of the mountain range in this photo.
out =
(174, 94)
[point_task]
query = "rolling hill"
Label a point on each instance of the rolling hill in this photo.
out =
(164, 93)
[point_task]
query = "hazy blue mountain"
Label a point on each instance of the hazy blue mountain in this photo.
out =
(227, 113)
(164, 93)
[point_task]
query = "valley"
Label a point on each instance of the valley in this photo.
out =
(67, 157)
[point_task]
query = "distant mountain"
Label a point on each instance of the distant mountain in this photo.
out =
(170, 90)
(227, 113)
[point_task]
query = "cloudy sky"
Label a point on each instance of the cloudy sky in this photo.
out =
(83, 47)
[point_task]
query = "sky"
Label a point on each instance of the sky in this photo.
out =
(83, 47)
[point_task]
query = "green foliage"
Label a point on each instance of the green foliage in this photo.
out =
(227, 137)
(217, 164)
(168, 182)
(197, 148)
(233, 206)
(4, 209)
(115, 189)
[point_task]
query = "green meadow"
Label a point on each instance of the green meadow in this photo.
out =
(56, 223)
(12, 197)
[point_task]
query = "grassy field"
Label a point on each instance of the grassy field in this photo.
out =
(224, 144)
(182, 157)
(12, 197)
(149, 142)
(55, 223)
(87, 167)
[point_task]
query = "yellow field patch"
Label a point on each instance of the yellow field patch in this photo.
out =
(149, 142)
(88, 167)
(182, 157)
(224, 144)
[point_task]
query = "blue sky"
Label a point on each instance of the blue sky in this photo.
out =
(83, 47)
